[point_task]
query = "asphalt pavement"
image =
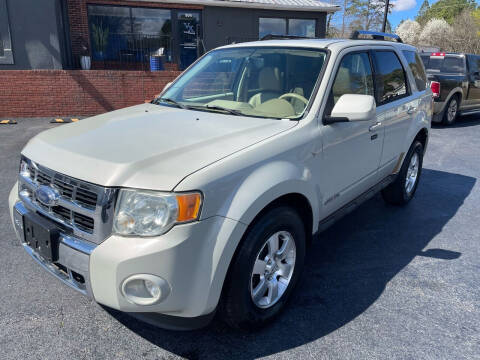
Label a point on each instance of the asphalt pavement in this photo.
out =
(382, 283)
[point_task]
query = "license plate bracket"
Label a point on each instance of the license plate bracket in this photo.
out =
(42, 236)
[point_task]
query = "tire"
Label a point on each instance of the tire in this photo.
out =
(451, 111)
(238, 307)
(402, 190)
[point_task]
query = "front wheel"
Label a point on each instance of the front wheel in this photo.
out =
(265, 270)
(401, 191)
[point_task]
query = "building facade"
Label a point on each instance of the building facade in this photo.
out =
(120, 34)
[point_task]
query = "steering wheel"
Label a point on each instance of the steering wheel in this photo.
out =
(296, 96)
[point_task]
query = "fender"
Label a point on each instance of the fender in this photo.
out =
(457, 90)
(255, 193)
(249, 199)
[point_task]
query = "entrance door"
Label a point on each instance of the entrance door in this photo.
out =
(188, 26)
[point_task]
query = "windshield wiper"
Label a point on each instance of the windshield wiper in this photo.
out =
(170, 101)
(221, 108)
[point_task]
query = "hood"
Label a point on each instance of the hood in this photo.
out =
(147, 146)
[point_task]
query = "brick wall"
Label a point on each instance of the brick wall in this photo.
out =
(38, 93)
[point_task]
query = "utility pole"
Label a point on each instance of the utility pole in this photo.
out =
(384, 25)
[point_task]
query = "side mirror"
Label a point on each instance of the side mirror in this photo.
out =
(167, 86)
(352, 107)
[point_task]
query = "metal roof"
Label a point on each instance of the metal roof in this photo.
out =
(287, 5)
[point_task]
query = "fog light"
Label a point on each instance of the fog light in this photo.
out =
(25, 193)
(145, 289)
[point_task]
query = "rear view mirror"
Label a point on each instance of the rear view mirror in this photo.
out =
(352, 107)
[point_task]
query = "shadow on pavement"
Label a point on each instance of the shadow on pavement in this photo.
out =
(461, 122)
(347, 270)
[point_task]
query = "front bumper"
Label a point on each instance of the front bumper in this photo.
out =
(192, 259)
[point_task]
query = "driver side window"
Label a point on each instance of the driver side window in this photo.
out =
(354, 76)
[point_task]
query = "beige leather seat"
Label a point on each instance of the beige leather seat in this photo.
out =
(270, 83)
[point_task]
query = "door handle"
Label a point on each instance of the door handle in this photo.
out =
(375, 127)
(411, 110)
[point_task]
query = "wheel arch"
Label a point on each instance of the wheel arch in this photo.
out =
(458, 92)
(422, 136)
(294, 200)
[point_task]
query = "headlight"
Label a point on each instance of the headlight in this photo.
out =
(150, 213)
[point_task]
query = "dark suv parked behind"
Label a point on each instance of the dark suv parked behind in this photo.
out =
(455, 83)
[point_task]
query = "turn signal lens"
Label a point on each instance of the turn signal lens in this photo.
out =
(188, 206)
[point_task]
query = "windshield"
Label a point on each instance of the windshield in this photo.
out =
(266, 82)
(447, 64)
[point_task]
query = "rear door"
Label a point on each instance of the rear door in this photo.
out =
(396, 101)
(473, 68)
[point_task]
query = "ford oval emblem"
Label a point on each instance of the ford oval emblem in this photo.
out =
(47, 195)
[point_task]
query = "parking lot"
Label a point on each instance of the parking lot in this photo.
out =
(382, 283)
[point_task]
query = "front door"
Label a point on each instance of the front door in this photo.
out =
(188, 27)
(351, 150)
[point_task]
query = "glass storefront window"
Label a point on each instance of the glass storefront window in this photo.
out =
(151, 21)
(301, 27)
(125, 34)
(283, 26)
(2, 51)
(272, 26)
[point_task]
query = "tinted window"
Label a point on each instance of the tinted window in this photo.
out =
(6, 55)
(391, 82)
(425, 60)
(416, 66)
(354, 76)
(301, 27)
(272, 26)
(448, 64)
(120, 33)
(473, 63)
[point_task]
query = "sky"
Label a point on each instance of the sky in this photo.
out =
(405, 9)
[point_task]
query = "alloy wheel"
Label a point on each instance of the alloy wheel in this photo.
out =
(273, 269)
(412, 173)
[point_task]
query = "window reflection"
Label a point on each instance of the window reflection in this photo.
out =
(281, 26)
(301, 27)
(129, 34)
(272, 26)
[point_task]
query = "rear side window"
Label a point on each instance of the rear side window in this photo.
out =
(391, 82)
(474, 63)
(416, 66)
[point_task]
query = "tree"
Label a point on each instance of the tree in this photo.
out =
(409, 31)
(438, 33)
(368, 14)
(446, 9)
(465, 33)
(423, 11)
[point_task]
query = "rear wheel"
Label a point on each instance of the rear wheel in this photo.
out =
(265, 270)
(401, 191)
(451, 111)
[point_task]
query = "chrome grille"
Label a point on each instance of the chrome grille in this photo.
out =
(85, 208)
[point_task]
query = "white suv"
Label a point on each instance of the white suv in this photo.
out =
(205, 199)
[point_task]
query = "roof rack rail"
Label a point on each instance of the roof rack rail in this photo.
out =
(282, 37)
(375, 35)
